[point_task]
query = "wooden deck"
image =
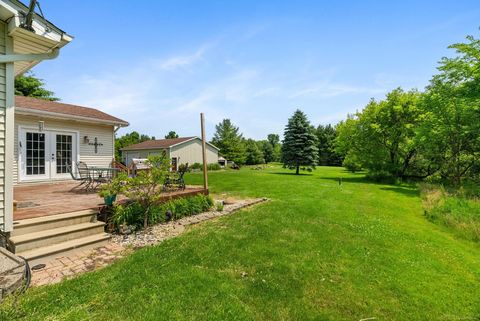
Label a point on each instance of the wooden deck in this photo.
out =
(37, 200)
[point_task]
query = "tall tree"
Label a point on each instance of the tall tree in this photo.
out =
(228, 138)
(381, 138)
(274, 141)
(127, 140)
(326, 146)
(171, 134)
(253, 154)
(31, 86)
(451, 131)
(267, 150)
(299, 144)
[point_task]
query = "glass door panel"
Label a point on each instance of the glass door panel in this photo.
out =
(35, 151)
(64, 153)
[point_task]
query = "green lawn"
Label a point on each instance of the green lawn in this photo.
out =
(317, 251)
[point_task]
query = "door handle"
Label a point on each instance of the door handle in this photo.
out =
(53, 157)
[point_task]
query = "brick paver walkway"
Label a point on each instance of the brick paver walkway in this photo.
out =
(78, 262)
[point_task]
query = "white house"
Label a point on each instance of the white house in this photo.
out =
(180, 150)
(25, 40)
(51, 135)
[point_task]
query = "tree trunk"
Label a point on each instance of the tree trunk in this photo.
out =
(298, 170)
(145, 218)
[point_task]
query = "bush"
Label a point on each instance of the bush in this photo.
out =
(133, 213)
(351, 164)
(196, 166)
(213, 167)
(210, 167)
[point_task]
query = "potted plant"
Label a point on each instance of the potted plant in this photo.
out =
(110, 190)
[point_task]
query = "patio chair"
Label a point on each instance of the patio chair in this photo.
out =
(83, 179)
(84, 174)
(175, 181)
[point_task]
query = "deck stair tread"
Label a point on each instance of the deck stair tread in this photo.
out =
(53, 218)
(64, 246)
(29, 237)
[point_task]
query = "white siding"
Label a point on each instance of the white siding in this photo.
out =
(104, 134)
(191, 152)
(6, 75)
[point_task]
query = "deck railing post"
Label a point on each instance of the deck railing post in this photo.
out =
(204, 152)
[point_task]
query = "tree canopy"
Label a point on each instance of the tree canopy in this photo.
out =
(327, 156)
(412, 134)
(171, 134)
(31, 86)
(253, 153)
(299, 147)
(228, 138)
(127, 140)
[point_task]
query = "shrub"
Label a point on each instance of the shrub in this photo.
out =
(351, 164)
(133, 212)
(214, 167)
(130, 214)
(210, 167)
(196, 166)
(146, 187)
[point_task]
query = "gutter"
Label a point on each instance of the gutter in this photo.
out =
(30, 57)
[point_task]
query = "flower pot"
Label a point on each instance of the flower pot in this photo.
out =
(110, 199)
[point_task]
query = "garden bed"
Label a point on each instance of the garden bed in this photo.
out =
(160, 232)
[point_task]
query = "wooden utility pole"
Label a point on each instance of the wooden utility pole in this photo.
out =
(204, 152)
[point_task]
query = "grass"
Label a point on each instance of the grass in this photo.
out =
(317, 251)
(456, 209)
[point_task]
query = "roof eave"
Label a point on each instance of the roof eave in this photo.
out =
(35, 112)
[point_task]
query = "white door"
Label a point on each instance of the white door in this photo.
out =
(62, 154)
(46, 155)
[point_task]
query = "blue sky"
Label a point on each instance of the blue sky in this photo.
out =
(158, 64)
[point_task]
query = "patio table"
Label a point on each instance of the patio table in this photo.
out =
(101, 175)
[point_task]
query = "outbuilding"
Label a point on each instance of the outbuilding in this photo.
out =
(180, 150)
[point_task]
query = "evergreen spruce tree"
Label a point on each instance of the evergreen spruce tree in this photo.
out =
(299, 147)
(227, 137)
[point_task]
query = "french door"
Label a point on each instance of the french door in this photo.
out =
(47, 154)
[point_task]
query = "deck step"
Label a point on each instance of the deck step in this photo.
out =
(29, 241)
(35, 254)
(43, 223)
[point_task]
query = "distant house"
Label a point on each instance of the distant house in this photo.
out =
(180, 150)
(51, 135)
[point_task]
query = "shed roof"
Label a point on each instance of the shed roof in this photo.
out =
(30, 105)
(162, 143)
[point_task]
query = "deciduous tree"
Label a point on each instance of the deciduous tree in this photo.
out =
(171, 134)
(31, 86)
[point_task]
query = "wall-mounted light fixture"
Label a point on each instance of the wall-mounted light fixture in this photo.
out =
(41, 125)
(86, 140)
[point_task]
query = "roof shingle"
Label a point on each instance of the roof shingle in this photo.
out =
(65, 109)
(158, 143)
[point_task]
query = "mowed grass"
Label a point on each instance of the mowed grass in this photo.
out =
(316, 251)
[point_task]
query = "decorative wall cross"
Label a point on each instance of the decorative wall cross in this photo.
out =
(96, 144)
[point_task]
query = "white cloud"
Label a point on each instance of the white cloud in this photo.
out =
(328, 89)
(182, 61)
